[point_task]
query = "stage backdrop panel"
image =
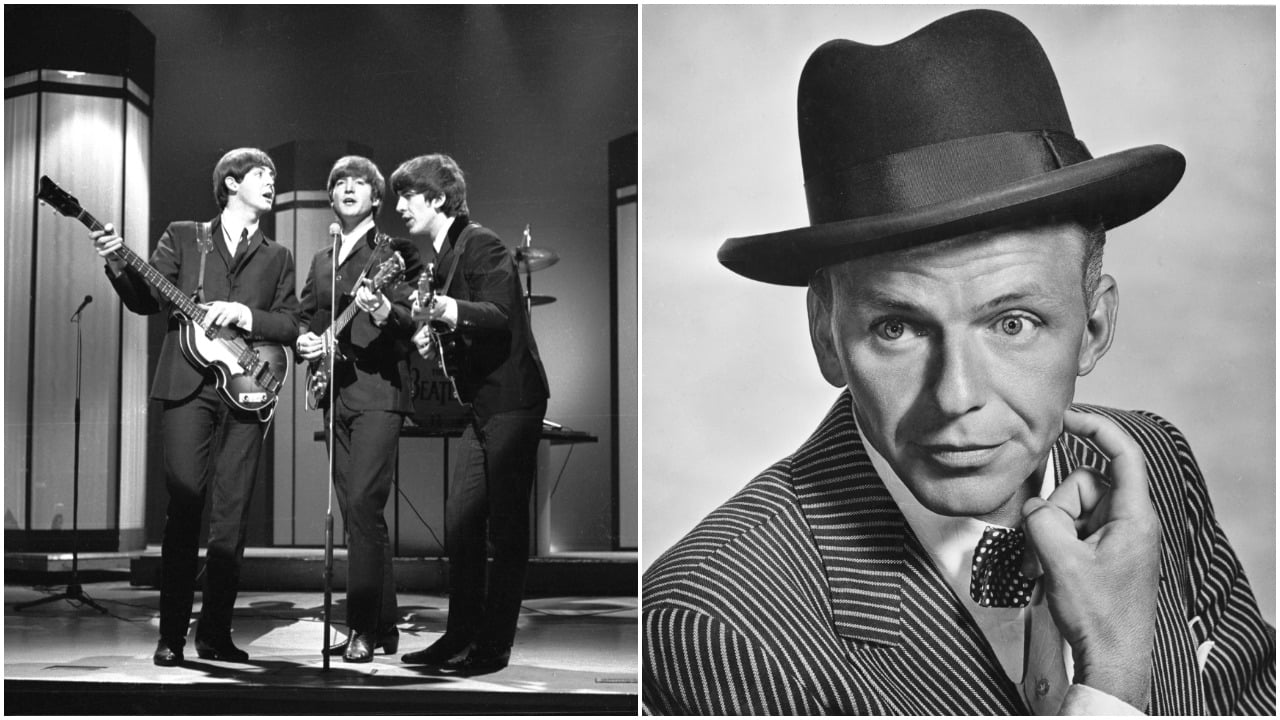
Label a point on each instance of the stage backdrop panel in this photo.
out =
(77, 108)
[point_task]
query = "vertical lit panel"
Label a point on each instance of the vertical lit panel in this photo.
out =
(20, 122)
(628, 373)
(283, 484)
(134, 383)
(80, 148)
(311, 463)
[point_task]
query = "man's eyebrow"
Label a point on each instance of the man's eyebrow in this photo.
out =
(1017, 295)
(876, 299)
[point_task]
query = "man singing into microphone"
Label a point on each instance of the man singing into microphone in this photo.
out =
(368, 395)
(245, 280)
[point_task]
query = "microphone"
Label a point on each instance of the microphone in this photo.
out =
(335, 233)
(87, 299)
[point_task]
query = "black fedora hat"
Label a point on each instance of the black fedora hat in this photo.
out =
(957, 128)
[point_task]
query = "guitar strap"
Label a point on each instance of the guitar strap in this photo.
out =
(457, 256)
(205, 245)
(378, 241)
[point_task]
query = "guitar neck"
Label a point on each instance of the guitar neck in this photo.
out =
(343, 319)
(170, 291)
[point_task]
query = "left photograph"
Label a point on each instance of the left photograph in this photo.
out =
(320, 380)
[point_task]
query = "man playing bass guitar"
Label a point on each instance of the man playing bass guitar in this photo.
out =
(369, 393)
(245, 283)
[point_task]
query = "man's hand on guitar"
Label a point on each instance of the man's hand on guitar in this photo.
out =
(374, 303)
(425, 341)
(310, 346)
(107, 242)
(221, 314)
(438, 309)
(1099, 548)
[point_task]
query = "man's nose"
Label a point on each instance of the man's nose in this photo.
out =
(959, 375)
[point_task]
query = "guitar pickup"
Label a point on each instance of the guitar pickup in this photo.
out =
(252, 397)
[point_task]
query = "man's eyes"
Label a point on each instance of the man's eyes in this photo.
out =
(1010, 325)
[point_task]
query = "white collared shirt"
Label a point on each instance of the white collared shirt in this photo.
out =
(231, 232)
(441, 234)
(350, 239)
(950, 542)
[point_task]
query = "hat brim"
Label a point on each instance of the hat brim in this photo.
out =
(1115, 188)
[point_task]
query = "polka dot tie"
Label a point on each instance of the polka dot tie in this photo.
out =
(997, 578)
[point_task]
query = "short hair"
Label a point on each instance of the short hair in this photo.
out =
(236, 164)
(434, 176)
(1095, 238)
(355, 166)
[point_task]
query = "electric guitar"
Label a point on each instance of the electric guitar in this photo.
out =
(447, 347)
(249, 374)
(318, 370)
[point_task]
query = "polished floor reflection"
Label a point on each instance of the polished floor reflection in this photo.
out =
(572, 654)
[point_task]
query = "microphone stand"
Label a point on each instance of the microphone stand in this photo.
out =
(74, 591)
(333, 393)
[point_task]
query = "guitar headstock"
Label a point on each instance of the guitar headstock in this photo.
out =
(57, 198)
(388, 272)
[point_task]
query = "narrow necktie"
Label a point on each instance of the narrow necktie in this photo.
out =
(997, 580)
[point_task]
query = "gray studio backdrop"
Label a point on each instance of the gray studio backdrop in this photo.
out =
(729, 381)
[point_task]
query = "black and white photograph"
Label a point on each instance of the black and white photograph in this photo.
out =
(321, 353)
(958, 360)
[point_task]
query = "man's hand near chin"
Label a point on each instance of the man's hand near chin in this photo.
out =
(1098, 547)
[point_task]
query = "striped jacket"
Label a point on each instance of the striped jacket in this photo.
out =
(807, 593)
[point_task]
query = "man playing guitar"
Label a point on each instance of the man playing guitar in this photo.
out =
(246, 282)
(500, 378)
(369, 394)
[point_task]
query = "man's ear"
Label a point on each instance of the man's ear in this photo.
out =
(824, 345)
(231, 185)
(1100, 327)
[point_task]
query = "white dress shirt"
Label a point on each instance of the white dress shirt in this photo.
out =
(950, 542)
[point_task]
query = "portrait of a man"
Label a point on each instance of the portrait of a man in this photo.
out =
(1003, 509)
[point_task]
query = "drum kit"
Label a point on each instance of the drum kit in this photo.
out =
(529, 260)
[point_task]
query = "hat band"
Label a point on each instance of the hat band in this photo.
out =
(939, 173)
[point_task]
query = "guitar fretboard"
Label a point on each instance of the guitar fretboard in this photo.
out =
(170, 291)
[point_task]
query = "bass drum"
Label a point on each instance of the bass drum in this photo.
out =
(435, 409)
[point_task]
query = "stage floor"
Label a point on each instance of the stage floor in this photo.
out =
(572, 655)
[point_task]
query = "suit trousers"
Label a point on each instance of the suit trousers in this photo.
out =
(489, 503)
(364, 467)
(209, 450)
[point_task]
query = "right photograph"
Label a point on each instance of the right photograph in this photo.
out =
(907, 447)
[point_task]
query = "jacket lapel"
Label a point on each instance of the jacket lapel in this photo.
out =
(888, 601)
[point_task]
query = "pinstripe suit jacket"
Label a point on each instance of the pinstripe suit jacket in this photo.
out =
(808, 593)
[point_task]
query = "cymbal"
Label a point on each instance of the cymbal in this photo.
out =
(533, 259)
(536, 300)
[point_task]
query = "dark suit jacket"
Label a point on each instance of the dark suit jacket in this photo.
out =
(261, 276)
(500, 369)
(376, 373)
(808, 593)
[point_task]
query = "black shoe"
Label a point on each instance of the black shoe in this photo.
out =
(359, 649)
(482, 660)
(221, 649)
(440, 652)
(388, 642)
(168, 653)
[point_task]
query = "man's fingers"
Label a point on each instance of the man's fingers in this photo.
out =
(1051, 534)
(1128, 466)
